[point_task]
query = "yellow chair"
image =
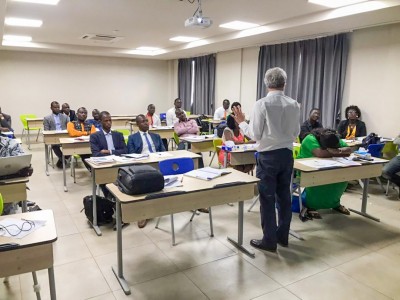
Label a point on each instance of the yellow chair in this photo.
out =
(176, 140)
(296, 151)
(25, 126)
(187, 113)
(1, 204)
(216, 143)
(125, 133)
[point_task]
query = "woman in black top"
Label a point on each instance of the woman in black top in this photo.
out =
(352, 127)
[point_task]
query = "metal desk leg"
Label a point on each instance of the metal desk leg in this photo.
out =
(52, 283)
(46, 158)
(29, 140)
(119, 273)
(292, 232)
(94, 194)
(209, 127)
(239, 243)
(364, 202)
(64, 175)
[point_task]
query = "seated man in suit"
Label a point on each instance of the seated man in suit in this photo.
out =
(56, 121)
(96, 119)
(70, 113)
(106, 142)
(144, 141)
(79, 128)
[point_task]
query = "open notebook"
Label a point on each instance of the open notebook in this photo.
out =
(207, 173)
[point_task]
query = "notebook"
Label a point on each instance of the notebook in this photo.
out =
(12, 164)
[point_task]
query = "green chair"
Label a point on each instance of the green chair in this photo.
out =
(125, 133)
(1, 204)
(296, 151)
(187, 113)
(28, 129)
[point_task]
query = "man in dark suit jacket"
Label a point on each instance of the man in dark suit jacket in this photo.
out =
(106, 142)
(144, 141)
(70, 113)
(98, 140)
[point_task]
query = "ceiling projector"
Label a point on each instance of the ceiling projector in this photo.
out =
(198, 21)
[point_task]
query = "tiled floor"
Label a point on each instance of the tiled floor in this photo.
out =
(341, 257)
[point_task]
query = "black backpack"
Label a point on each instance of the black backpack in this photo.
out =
(105, 209)
(370, 139)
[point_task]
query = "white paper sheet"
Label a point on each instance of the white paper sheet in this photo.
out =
(19, 228)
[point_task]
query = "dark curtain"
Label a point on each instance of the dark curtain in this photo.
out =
(185, 82)
(204, 85)
(316, 72)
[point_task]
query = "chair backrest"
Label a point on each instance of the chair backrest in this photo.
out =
(176, 138)
(390, 150)
(24, 117)
(216, 143)
(296, 151)
(375, 150)
(1, 204)
(176, 166)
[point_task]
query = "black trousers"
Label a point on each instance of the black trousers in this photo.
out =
(274, 169)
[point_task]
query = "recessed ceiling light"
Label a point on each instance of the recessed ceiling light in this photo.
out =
(335, 3)
(147, 48)
(197, 43)
(185, 39)
(253, 31)
(48, 2)
(17, 38)
(238, 25)
(23, 22)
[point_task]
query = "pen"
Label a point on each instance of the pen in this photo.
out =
(182, 179)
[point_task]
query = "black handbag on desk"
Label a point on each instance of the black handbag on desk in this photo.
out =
(139, 179)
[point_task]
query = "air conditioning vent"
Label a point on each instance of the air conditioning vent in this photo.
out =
(104, 38)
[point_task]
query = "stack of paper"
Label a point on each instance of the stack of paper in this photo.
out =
(102, 159)
(207, 173)
(137, 156)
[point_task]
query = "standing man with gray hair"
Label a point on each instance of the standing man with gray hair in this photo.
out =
(275, 124)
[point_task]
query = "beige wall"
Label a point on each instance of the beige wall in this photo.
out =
(236, 77)
(373, 78)
(30, 81)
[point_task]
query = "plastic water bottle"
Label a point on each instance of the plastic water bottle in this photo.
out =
(215, 132)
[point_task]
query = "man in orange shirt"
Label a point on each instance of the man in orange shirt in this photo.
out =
(79, 128)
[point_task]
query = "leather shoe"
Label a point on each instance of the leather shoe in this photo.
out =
(204, 210)
(283, 244)
(259, 245)
(142, 223)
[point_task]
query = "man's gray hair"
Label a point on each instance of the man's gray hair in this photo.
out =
(275, 78)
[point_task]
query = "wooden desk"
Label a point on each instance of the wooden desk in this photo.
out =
(107, 173)
(122, 121)
(35, 251)
(314, 177)
(14, 190)
(73, 146)
(199, 143)
(33, 123)
(52, 137)
(212, 122)
(234, 187)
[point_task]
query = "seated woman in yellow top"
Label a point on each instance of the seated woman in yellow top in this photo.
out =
(324, 143)
(81, 127)
(352, 127)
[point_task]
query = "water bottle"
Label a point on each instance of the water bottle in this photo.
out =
(215, 132)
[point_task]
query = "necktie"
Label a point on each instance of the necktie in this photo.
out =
(148, 142)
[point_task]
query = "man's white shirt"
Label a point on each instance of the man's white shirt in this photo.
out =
(275, 122)
(220, 112)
